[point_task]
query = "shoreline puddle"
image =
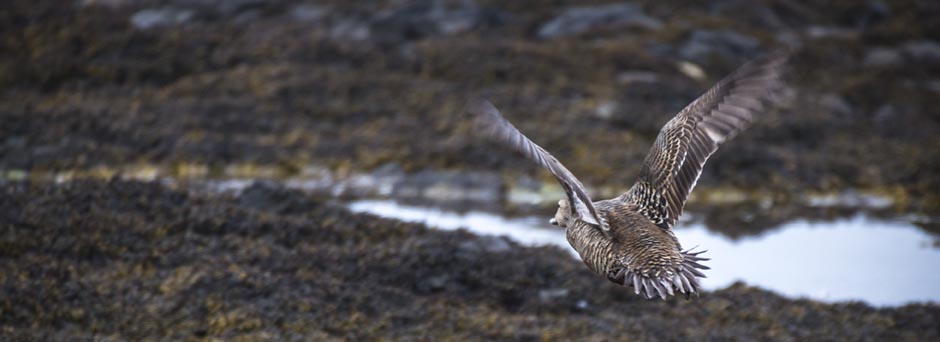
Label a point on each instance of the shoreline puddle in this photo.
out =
(881, 262)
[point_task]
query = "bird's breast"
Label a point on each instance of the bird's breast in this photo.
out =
(595, 249)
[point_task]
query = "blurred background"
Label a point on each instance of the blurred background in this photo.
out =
(207, 169)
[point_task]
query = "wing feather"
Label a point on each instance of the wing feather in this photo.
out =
(488, 121)
(674, 163)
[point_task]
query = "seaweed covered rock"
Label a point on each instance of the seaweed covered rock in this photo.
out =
(354, 85)
(140, 261)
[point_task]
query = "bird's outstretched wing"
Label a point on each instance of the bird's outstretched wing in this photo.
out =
(675, 161)
(489, 122)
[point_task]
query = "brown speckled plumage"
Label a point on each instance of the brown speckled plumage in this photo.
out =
(629, 238)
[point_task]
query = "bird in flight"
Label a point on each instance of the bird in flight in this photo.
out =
(629, 239)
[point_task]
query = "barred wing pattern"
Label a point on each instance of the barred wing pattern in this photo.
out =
(488, 121)
(675, 161)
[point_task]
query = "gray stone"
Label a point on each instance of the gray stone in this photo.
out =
(702, 45)
(223, 8)
(306, 12)
(660, 49)
(835, 104)
(925, 51)
(850, 199)
(883, 57)
(526, 191)
(381, 182)
(349, 29)
(16, 142)
(158, 17)
(606, 109)
(579, 20)
(433, 283)
(789, 38)
(885, 113)
(551, 294)
(934, 86)
(831, 32)
(637, 76)
(450, 186)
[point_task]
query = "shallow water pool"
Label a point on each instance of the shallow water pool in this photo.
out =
(881, 262)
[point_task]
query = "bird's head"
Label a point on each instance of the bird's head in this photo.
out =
(562, 215)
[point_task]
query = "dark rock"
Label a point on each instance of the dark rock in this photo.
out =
(754, 13)
(271, 196)
(580, 20)
(874, 12)
(728, 46)
(878, 8)
(485, 244)
(428, 18)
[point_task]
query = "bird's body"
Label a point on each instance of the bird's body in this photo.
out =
(637, 251)
(629, 239)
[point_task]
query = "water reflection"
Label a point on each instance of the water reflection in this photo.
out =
(881, 262)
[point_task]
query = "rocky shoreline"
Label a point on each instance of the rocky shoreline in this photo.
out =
(98, 95)
(118, 260)
(355, 86)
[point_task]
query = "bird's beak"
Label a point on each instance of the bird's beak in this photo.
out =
(553, 221)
